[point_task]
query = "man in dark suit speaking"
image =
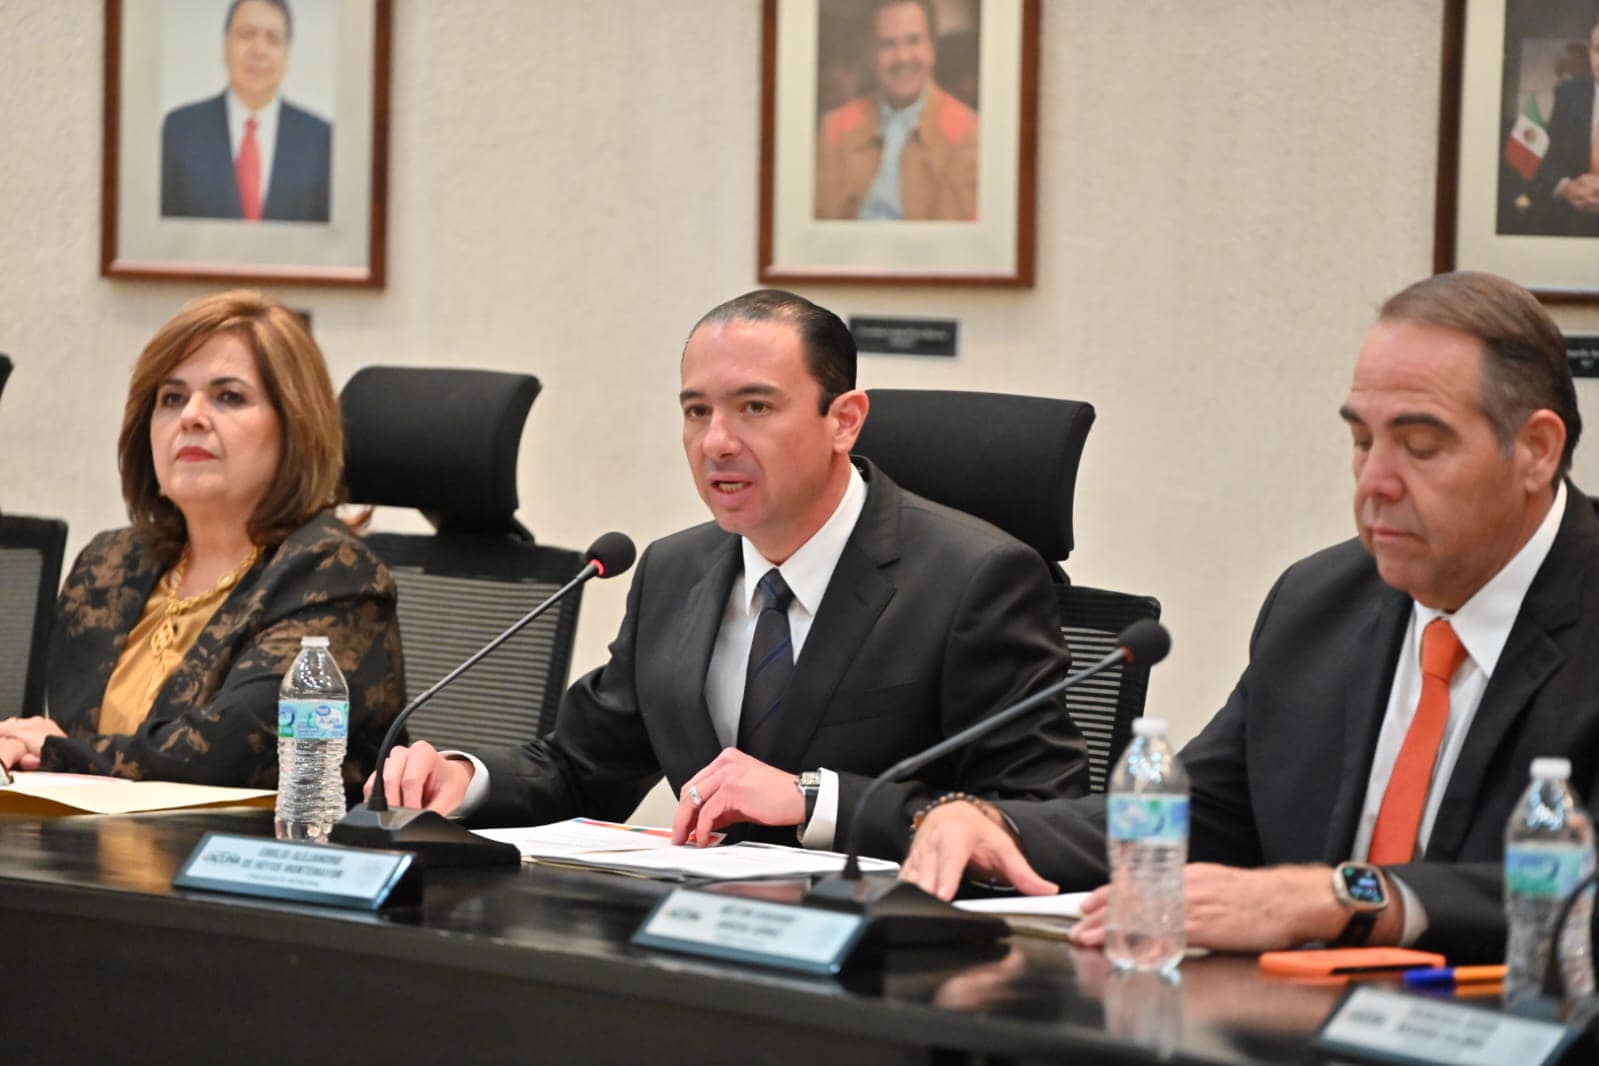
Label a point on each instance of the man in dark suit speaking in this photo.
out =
(1399, 685)
(824, 626)
(248, 153)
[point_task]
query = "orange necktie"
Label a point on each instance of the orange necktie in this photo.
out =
(248, 169)
(1399, 818)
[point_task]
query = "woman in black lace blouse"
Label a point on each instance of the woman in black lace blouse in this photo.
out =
(171, 636)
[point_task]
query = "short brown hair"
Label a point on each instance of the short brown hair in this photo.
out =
(311, 472)
(1524, 352)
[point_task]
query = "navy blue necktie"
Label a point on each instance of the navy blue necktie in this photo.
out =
(771, 665)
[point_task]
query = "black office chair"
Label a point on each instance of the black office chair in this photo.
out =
(1012, 461)
(444, 442)
(30, 571)
(5, 370)
(1009, 460)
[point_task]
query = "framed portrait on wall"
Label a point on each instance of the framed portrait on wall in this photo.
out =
(898, 141)
(1518, 159)
(246, 140)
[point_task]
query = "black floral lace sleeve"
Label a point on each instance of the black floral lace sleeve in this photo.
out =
(215, 720)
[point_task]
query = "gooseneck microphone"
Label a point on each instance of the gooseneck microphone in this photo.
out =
(437, 840)
(917, 915)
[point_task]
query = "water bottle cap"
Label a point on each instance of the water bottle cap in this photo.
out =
(1149, 727)
(313, 642)
(1558, 769)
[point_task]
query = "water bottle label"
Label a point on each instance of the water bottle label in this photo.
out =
(1545, 871)
(314, 719)
(1155, 818)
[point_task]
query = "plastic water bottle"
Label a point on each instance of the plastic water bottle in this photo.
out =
(1148, 839)
(1548, 850)
(313, 730)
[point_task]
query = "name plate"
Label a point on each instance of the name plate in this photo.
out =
(739, 929)
(905, 336)
(1392, 1026)
(324, 874)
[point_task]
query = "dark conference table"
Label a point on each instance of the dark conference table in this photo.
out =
(104, 960)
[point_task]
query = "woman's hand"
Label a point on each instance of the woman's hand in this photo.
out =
(22, 741)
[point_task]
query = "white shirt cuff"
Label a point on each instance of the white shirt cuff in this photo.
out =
(477, 789)
(818, 832)
(1415, 913)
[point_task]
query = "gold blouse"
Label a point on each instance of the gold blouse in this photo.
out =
(166, 631)
(139, 674)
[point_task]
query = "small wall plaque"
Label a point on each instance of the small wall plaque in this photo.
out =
(1582, 352)
(905, 336)
(324, 874)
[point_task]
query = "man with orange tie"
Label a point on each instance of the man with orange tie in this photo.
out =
(1356, 785)
(1567, 183)
(248, 153)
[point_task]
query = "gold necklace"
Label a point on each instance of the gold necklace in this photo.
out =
(166, 630)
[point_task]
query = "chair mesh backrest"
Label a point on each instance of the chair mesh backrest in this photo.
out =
(30, 571)
(456, 594)
(1103, 707)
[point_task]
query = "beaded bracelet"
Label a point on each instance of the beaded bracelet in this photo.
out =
(988, 809)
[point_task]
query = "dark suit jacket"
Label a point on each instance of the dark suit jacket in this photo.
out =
(932, 620)
(1570, 154)
(1279, 775)
(197, 175)
(215, 721)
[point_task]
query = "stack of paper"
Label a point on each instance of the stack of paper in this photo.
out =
(648, 852)
(52, 794)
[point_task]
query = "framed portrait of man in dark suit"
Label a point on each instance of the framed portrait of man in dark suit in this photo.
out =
(1518, 161)
(246, 140)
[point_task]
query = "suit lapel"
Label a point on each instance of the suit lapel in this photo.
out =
(856, 595)
(1365, 703)
(220, 161)
(1531, 655)
(690, 647)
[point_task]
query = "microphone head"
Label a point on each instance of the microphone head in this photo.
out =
(612, 552)
(1146, 642)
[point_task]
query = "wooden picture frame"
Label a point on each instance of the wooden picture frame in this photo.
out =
(170, 201)
(1514, 79)
(966, 188)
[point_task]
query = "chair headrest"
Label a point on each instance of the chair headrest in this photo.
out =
(1009, 460)
(443, 441)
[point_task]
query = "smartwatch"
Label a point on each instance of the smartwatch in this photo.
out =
(1363, 891)
(809, 784)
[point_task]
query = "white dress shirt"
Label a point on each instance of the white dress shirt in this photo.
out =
(807, 573)
(266, 134)
(1483, 624)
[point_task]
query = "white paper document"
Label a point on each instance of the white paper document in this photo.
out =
(649, 852)
(1065, 905)
(52, 794)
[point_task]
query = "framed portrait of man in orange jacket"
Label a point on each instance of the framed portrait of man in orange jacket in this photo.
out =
(898, 141)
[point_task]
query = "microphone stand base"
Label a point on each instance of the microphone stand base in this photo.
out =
(899, 914)
(437, 841)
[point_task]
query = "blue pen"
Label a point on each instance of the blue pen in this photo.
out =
(1448, 976)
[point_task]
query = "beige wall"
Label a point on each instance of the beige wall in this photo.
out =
(1227, 189)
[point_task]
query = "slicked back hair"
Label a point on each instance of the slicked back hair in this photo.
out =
(1524, 353)
(829, 345)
